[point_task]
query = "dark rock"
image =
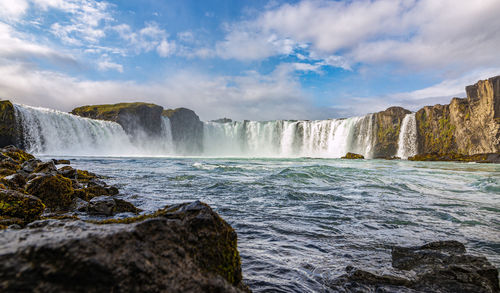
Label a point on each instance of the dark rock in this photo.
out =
(68, 172)
(17, 155)
(29, 166)
(439, 266)
(78, 204)
(61, 162)
(46, 168)
(14, 181)
(56, 192)
(102, 205)
(9, 131)
(123, 206)
(135, 118)
(108, 206)
(187, 130)
(353, 156)
(187, 248)
(454, 157)
(222, 120)
(20, 205)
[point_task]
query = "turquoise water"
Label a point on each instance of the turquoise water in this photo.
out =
(300, 222)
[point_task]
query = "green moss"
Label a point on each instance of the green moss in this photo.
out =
(85, 176)
(19, 156)
(18, 205)
(449, 157)
(56, 192)
(108, 111)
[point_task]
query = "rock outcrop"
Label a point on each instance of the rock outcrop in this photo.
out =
(387, 127)
(353, 156)
(182, 248)
(441, 267)
(135, 118)
(187, 130)
(31, 189)
(9, 130)
(466, 126)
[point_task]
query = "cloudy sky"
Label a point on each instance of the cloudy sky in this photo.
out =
(255, 59)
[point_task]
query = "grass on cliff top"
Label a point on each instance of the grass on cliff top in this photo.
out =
(107, 108)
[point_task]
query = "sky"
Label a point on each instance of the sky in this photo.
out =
(254, 59)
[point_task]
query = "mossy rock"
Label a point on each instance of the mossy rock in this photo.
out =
(18, 155)
(353, 156)
(9, 132)
(450, 157)
(19, 205)
(56, 192)
(85, 176)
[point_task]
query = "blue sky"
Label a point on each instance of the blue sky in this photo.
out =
(256, 59)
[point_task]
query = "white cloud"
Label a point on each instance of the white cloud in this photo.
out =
(86, 20)
(12, 9)
(247, 96)
(16, 46)
(106, 64)
(423, 35)
(165, 48)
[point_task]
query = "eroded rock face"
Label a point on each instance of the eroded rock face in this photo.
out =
(441, 266)
(187, 130)
(185, 248)
(135, 118)
(465, 126)
(387, 127)
(9, 132)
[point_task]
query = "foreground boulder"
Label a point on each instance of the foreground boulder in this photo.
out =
(184, 248)
(441, 266)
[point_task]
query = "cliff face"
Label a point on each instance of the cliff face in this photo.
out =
(9, 130)
(466, 126)
(387, 128)
(187, 130)
(133, 117)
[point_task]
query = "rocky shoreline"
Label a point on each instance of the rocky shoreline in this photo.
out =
(46, 246)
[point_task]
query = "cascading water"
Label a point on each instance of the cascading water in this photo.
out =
(407, 143)
(46, 131)
(321, 138)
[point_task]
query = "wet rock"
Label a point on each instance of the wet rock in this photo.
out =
(56, 192)
(187, 248)
(19, 156)
(78, 204)
(46, 168)
(85, 176)
(102, 205)
(68, 172)
(353, 156)
(14, 204)
(187, 130)
(108, 206)
(441, 266)
(454, 157)
(61, 162)
(14, 181)
(29, 166)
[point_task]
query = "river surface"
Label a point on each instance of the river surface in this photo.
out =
(300, 222)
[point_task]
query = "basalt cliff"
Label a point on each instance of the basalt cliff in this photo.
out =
(467, 126)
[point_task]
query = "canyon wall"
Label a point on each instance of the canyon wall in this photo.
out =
(466, 126)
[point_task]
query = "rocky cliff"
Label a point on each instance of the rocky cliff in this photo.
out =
(9, 130)
(187, 130)
(387, 126)
(466, 126)
(135, 118)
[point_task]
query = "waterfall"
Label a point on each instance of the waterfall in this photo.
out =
(281, 138)
(407, 142)
(46, 131)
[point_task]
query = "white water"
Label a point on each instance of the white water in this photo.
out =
(47, 131)
(321, 138)
(407, 143)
